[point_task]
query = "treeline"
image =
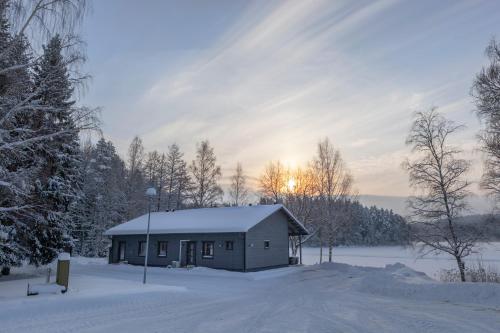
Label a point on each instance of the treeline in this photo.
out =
(373, 226)
(321, 195)
(370, 226)
(113, 190)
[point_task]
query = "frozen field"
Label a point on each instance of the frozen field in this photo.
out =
(327, 298)
(382, 255)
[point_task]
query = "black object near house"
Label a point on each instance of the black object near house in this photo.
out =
(243, 238)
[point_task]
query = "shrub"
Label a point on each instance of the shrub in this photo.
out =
(476, 272)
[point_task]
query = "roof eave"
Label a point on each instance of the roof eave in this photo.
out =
(301, 229)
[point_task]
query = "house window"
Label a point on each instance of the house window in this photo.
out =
(229, 245)
(267, 244)
(162, 249)
(208, 250)
(142, 249)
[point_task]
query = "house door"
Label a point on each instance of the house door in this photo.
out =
(121, 251)
(191, 253)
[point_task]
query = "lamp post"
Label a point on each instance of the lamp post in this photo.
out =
(150, 193)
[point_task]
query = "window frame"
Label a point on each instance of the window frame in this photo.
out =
(229, 248)
(159, 247)
(139, 249)
(207, 256)
(267, 244)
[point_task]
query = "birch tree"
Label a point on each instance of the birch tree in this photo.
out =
(438, 175)
(486, 93)
(333, 186)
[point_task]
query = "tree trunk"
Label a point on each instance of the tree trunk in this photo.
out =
(461, 268)
(300, 249)
(320, 246)
(330, 249)
(293, 246)
(159, 199)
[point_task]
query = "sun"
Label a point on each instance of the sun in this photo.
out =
(291, 184)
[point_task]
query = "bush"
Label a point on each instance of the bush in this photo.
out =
(5, 270)
(476, 272)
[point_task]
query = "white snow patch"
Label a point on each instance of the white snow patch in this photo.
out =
(202, 220)
(45, 288)
(64, 256)
(380, 256)
(319, 298)
(400, 281)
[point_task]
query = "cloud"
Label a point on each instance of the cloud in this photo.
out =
(363, 142)
(286, 74)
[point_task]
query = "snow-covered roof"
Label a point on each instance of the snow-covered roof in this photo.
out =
(206, 220)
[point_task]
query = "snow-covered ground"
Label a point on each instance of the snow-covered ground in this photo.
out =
(488, 253)
(327, 298)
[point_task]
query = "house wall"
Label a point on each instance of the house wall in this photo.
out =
(226, 259)
(274, 229)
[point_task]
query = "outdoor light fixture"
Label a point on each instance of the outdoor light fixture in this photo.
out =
(150, 193)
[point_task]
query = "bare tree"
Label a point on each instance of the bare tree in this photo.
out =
(299, 199)
(43, 18)
(184, 185)
(439, 175)
(177, 182)
(135, 185)
(206, 174)
(151, 167)
(156, 171)
(161, 175)
(40, 20)
(486, 92)
(273, 181)
(135, 155)
(333, 187)
(238, 190)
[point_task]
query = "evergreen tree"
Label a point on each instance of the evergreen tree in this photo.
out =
(104, 203)
(58, 181)
(16, 142)
(38, 140)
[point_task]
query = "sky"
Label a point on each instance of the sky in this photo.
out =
(266, 80)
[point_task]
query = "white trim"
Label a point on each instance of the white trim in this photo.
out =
(180, 249)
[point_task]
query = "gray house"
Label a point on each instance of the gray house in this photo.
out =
(235, 238)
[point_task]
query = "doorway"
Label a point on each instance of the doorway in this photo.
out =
(121, 251)
(191, 253)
